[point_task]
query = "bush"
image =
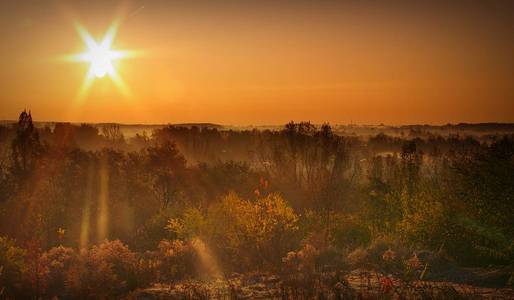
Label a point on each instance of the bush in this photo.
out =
(191, 225)
(251, 235)
(302, 261)
(473, 243)
(174, 260)
(149, 234)
(55, 263)
(244, 234)
(357, 258)
(105, 271)
(424, 219)
(387, 254)
(347, 233)
(12, 264)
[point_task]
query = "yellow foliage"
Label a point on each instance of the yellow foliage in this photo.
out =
(253, 230)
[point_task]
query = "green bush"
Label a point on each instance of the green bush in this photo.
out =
(473, 243)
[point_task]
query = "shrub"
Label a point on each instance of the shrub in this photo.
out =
(12, 264)
(105, 271)
(174, 260)
(302, 261)
(474, 243)
(251, 235)
(149, 234)
(424, 219)
(191, 224)
(347, 233)
(357, 258)
(244, 234)
(387, 254)
(55, 263)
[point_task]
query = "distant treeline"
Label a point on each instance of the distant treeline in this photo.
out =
(410, 130)
(206, 142)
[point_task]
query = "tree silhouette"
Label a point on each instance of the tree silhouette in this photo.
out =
(26, 145)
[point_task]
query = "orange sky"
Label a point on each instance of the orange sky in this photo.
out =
(264, 62)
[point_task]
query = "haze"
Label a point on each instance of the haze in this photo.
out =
(265, 62)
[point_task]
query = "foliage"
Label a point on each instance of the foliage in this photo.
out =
(12, 264)
(149, 234)
(302, 261)
(349, 233)
(475, 243)
(195, 200)
(424, 220)
(252, 234)
(175, 260)
(243, 232)
(104, 271)
(55, 263)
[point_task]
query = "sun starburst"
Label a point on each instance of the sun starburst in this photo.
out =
(100, 57)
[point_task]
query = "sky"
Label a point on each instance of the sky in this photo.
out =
(263, 62)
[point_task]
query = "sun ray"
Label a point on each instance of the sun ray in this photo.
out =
(103, 207)
(86, 85)
(120, 84)
(125, 54)
(86, 37)
(109, 35)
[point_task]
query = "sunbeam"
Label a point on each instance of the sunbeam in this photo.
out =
(103, 208)
(86, 210)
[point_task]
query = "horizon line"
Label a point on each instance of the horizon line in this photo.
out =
(4, 121)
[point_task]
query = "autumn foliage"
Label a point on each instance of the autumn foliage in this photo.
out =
(86, 212)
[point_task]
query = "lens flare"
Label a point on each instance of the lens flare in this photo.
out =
(100, 57)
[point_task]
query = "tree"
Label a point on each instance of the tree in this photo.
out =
(26, 146)
(113, 134)
(167, 167)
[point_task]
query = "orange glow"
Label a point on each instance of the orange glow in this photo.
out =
(248, 62)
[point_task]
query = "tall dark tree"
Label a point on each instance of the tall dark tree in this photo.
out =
(26, 146)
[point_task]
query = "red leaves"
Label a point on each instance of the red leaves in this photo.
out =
(263, 186)
(386, 284)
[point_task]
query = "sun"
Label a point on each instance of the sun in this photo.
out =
(100, 57)
(101, 60)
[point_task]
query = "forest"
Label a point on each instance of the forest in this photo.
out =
(300, 212)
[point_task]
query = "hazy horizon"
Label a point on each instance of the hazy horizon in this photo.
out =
(260, 125)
